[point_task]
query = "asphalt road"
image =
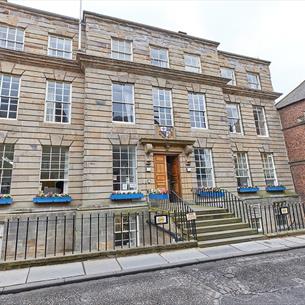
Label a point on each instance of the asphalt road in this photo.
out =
(270, 279)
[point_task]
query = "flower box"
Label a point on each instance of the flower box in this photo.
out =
(275, 188)
(153, 196)
(216, 194)
(64, 199)
(6, 201)
(126, 196)
(248, 189)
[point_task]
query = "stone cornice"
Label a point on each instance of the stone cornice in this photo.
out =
(37, 12)
(149, 70)
(149, 27)
(270, 95)
(173, 142)
(243, 57)
(32, 59)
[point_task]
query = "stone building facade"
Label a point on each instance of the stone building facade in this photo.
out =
(136, 108)
(292, 109)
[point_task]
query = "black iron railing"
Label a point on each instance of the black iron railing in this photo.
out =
(43, 237)
(266, 218)
(221, 198)
(179, 209)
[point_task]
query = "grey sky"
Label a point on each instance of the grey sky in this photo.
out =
(272, 30)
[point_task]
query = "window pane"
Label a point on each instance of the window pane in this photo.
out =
(204, 167)
(124, 168)
(60, 47)
(58, 102)
(122, 103)
(9, 95)
(162, 106)
(242, 169)
(234, 121)
(6, 166)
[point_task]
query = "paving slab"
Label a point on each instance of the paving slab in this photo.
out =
(53, 272)
(273, 243)
(144, 260)
(250, 246)
(301, 236)
(101, 266)
(183, 255)
(296, 240)
(13, 277)
(221, 251)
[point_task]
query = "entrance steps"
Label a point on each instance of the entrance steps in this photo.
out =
(217, 226)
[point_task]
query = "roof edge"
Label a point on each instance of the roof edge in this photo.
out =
(239, 56)
(151, 27)
(282, 101)
(38, 11)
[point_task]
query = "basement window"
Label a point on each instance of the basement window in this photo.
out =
(125, 234)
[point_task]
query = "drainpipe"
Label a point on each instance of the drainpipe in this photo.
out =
(80, 26)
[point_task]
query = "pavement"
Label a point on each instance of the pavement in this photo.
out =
(265, 279)
(18, 280)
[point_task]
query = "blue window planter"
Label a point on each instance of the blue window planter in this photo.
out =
(273, 188)
(126, 196)
(248, 190)
(158, 196)
(6, 201)
(210, 194)
(65, 199)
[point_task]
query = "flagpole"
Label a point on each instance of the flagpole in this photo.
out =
(80, 26)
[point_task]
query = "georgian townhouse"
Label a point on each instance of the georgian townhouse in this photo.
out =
(135, 108)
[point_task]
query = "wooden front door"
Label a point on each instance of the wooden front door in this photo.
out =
(160, 168)
(176, 175)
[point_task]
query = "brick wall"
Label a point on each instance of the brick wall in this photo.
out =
(293, 120)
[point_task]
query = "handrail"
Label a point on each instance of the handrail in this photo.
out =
(179, 208)
(221, 198)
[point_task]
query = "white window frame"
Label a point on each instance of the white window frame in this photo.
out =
(135, 188)
(123, 102)
(191, 96)
(264, 122)
(124, 41)
(65, 170)
(207, 152)
(239, 118)
(158, 59)
(257, 84)
(7, 41)
(6, 165)
(240, 168)
(264, 157)
(2, 75)
(192, 68)
(61, 50)
(223, 73)
(54, 103)
(158, 105)
(131, 241)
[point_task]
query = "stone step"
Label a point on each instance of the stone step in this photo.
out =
(215, 216)
(210, 211)
(225, 234)
(221, 227)
(226, 241)
(212, 222)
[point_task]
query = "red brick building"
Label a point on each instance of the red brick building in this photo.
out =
(292, 113)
